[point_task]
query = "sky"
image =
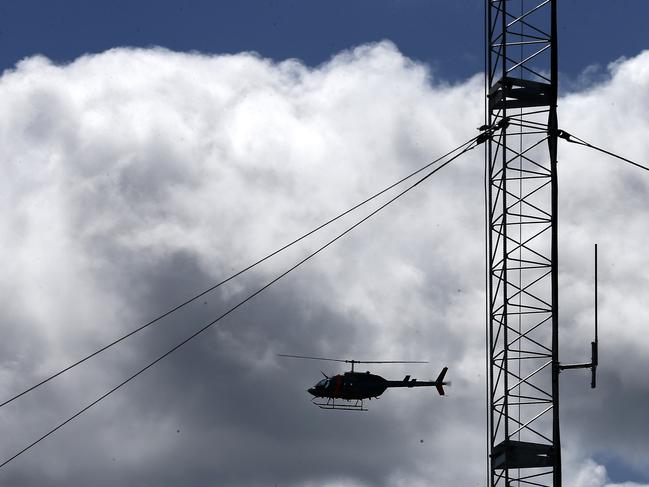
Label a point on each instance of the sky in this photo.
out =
(152, 149)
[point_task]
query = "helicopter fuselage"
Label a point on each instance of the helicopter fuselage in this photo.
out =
(358, 385)
(350, 386)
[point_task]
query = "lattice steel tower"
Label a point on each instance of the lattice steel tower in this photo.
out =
(521, 178)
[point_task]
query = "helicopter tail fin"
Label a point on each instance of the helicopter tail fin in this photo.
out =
(439, 382)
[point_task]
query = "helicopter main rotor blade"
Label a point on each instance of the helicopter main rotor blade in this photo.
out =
(355, 361)
(388, 361)
(312, 358)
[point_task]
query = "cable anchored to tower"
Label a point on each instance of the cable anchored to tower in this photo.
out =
(238, 273)
(461, 150)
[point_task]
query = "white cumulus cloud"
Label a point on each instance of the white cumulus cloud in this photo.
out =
(133, 179)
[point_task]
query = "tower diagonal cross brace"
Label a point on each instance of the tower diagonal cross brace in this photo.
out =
(521, 179)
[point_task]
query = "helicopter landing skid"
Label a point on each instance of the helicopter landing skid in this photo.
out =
(356, 405)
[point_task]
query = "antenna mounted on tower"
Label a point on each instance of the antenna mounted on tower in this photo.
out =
(592, 365)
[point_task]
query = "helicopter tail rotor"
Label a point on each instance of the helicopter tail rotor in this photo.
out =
(439, 382)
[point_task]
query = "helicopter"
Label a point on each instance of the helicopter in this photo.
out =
(354, 387)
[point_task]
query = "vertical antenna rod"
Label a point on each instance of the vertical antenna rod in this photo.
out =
(592, 365)
(593, 345)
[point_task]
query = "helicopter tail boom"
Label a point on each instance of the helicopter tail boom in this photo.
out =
(408, 382)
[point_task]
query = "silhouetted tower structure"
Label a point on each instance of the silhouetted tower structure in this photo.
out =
(521, 178)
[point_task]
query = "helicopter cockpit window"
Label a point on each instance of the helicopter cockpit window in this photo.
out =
(322, 383)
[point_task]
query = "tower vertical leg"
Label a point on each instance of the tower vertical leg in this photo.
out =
(521, 179)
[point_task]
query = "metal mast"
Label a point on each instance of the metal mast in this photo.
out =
(521, 179)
